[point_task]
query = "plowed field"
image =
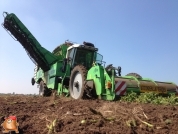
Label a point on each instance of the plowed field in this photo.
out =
(36, 114)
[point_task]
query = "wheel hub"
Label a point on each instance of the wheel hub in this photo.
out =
(76, 84)
(76, 90)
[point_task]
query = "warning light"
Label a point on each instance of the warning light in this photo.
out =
(108, 85)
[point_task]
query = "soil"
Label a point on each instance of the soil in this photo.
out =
(35, 115)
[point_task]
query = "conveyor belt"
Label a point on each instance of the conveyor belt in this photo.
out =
(36, 52)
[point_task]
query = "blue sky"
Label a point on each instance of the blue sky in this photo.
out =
(140, 36)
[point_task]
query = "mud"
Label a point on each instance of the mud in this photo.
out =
(36, 114)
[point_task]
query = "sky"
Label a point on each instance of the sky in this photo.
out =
(140, 36)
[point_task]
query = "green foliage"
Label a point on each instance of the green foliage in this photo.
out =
(131, 97)
(150, 97)
(146, 98)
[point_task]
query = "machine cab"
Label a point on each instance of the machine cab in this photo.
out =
(83, 54)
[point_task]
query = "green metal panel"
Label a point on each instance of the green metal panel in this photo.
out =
(53, 70)
(61, 51)
(40, 74)
(100, 77)
(62, 89)
(95, 74)
(51, 83)
(54, 73)
(129, 90)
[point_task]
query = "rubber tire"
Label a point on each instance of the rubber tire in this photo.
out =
(82, 70)
(45, 91)
(41, 88)
(135, 75)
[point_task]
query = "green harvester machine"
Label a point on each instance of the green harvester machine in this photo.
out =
(78, 70)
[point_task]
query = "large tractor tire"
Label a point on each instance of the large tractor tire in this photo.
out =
(135, 75)
(43, 90)
(77, 82)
